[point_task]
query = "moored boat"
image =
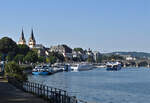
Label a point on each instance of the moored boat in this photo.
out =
(42, 70)
(80, 67)
(113, 66)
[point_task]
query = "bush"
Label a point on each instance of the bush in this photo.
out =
(31, 57)
(12, 69)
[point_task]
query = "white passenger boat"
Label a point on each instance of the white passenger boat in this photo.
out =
(58, 66)
(113, 66)
(80, 67)
(100, 66)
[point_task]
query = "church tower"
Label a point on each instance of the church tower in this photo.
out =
(32, 41)
(22, 39)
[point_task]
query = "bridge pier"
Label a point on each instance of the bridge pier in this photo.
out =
(124, 65)
(148, 65)
(137, 65)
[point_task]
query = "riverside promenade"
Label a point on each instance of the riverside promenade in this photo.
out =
(10, 94)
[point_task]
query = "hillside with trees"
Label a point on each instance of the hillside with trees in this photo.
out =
(133, 54)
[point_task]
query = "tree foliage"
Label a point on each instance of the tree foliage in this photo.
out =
(116, 57)
(57, 56)
(51, 59)
(19, 58)
(41, 59)
(8, 45)
(112, 57)
(1, 56)
(78, 50)
(12, 69)
(23, 49)
(31, 57)
(10, 56)
(90, 59)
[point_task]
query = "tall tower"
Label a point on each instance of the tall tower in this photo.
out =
(32, 41)
(22, 39)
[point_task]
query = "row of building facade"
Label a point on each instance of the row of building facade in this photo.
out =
(65, 50)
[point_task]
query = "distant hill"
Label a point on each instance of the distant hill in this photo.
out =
(133, 54)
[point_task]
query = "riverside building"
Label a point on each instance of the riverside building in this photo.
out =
(62, 49)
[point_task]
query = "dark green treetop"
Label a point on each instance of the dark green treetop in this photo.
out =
(8, 45)
(78, 50)
(23, 49)
(31, 57)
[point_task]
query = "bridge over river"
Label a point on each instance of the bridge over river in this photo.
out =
(127, 63)
(136, 63)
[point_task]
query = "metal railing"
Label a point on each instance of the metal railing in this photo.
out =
(50, 94)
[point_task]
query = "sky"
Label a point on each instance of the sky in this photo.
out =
(103, 25)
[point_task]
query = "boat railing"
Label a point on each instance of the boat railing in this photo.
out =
(50, 94)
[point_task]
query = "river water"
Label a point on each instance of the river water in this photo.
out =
(129, 85)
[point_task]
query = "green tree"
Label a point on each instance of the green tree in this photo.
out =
(10, 56)
(31, 57)
(57, 56)
(8, 45)
(79, 50)
(19, 58)
(23, 49)
(105, 57)
(116, 57)
(1, 56)
(90, 59)
(41, 59)
(8, 48)
(52, 59)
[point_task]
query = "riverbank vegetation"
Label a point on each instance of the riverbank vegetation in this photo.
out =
(12, 69)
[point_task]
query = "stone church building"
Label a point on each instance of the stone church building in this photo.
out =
(42, 51)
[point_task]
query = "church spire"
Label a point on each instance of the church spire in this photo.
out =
(32, 35)
(22, 38)
(22, 35)
(32, 41)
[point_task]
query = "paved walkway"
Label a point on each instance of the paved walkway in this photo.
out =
(9, 94)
